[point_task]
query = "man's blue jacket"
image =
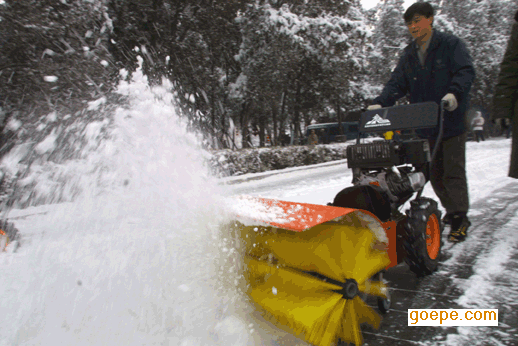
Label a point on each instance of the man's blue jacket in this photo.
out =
(448, 68)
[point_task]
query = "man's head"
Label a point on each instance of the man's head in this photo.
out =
(419, 20)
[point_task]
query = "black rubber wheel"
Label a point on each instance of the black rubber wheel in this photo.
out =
(422, 240)
(384, 303)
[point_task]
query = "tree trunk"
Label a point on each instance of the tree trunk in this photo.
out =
(281, 133)
(296, 116)
(261, 130)
(213, 99)
(244, 126)
(306, 119)
(273, 137)
(245, 139)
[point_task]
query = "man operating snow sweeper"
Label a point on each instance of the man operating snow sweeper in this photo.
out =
(437, 67)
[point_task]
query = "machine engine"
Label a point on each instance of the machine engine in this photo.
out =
(396, 167)
(398, 184)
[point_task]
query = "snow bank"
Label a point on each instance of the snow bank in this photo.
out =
(232, 163)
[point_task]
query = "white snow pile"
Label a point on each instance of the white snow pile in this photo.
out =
(255, 211)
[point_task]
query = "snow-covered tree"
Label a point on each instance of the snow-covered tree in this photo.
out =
(485, 26)
(389, 39)
(191, 43)
(303, 56)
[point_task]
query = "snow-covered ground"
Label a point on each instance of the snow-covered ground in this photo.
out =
(134, 260)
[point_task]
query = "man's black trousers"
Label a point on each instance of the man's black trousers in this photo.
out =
(448, 175)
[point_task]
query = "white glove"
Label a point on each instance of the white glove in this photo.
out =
(452, 103)
(373, 107)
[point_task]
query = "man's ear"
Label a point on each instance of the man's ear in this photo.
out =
(431, 17)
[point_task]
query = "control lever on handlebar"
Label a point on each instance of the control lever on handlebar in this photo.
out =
(438, 140)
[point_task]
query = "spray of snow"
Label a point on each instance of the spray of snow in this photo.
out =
(132, 260)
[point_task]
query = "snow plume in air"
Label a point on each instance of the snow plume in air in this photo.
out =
(130, 259)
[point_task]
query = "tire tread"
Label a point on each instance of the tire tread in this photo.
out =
(414, 243)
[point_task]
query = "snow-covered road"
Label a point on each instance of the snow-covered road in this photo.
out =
(487, 164)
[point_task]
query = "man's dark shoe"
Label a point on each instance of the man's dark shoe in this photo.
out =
(459, 228)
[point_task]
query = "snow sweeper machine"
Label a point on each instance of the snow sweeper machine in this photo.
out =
(310, 268)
